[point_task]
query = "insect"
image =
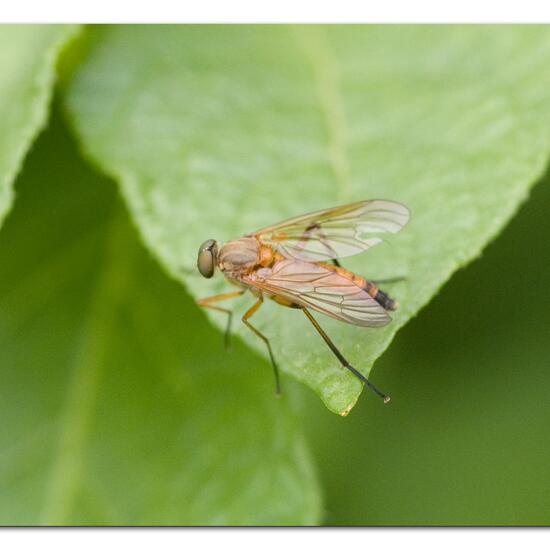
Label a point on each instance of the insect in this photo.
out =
(295, 263)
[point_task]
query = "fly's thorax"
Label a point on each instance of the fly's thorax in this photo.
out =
(240, 255)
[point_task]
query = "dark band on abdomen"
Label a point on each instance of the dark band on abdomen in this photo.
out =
(385, 301)
(380, 296)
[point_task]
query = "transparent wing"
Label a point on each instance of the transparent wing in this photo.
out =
(319, 288)
(336, 232)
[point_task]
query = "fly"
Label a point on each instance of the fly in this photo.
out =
(295, 263)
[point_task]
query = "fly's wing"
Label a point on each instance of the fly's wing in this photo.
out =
(317, 287)
(336, 232)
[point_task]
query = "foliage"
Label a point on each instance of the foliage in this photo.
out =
(465, 440)
(214, 132)
(119, 404)
(27, 58)
(114, 398)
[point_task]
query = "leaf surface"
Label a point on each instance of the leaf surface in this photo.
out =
(118, 404)
(466, 437)
(28, 54)
(213, 132)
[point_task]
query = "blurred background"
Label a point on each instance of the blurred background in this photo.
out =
(465, 439)
(119, 403)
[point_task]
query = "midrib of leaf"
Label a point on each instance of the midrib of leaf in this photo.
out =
(325, 89)
(82, 392)
(317, 50)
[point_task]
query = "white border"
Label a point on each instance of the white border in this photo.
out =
(250, 11)
(267, 539)
(247, 11)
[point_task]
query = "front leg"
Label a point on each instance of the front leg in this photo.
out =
(209, 303)
(245, 320)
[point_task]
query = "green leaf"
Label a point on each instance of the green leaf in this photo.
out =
(214, 132)
(118, 403)
(465, 441)
(28, 54)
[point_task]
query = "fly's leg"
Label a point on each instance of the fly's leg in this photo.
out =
(245, 320)
(390, 280)
(209, 303)
(344, 362)
(307, 234)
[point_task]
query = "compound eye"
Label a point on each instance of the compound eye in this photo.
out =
(206, 260)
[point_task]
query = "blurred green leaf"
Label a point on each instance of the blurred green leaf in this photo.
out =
(465, 440)
(118, 403)
(216, 131)
(28, 54)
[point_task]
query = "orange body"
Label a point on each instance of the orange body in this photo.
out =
(295, 263)
(266, 257)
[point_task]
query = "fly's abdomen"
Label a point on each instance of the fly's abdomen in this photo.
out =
(380, 296)
(370, 288)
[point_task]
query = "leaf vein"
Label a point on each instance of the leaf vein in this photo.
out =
(314, 42)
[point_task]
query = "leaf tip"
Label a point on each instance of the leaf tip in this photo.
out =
(346, 411)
